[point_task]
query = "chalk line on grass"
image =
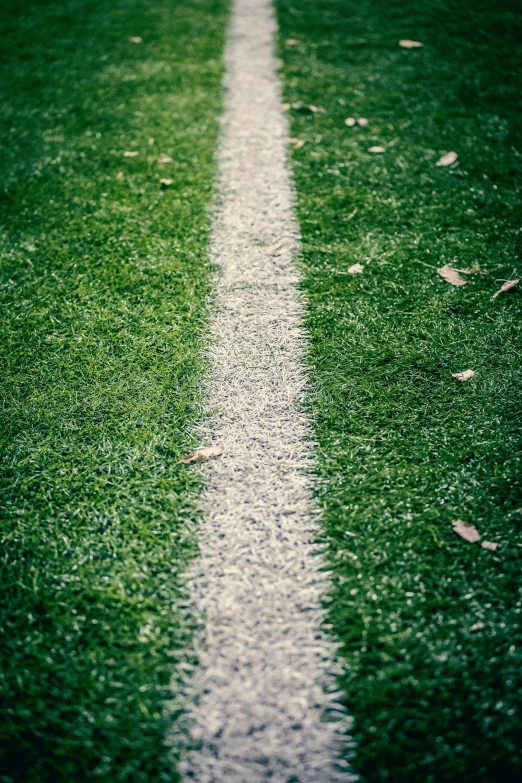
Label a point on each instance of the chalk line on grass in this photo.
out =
(264, 700)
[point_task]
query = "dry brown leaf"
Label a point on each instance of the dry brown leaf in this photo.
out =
(350, 121)
(377, 150)
(166, 182)
(466, 531)
(165, 159)
(505, 287)
(130, 154)
(298, 143)
(362, 121)
(119, 175)
(447, 159)
(202, 454)
(451, 275)
(465, 375)
(407, 44)
(135, 39)
(477, 627)
(489, 545)
(355, 269)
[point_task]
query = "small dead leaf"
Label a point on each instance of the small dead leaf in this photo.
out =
(298, 143)
(166, 182)
(466, 531)
(135, 39)
(407, 44)
(377, 150)
(131, 154)
(362, 121)
(489, 545)
(451, 275)
(477, 627)
(463, 376)
(505, 287)
(350, 121)
(355, 269)
(307, 108)
(292, 42)
(165, 159)
(272, 250)
(202, 454)
(119, 175)
(447, 159)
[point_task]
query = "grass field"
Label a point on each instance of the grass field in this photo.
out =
(103, 279)
(430, 624)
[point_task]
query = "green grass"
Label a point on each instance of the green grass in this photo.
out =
(404, 449)
(103, 283)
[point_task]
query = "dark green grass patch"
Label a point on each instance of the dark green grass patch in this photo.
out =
(430, 624)
(103, 280)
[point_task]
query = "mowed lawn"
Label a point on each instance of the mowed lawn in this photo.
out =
(104, 275)
(429, 623)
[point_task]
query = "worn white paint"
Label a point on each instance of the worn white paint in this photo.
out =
(264, 705)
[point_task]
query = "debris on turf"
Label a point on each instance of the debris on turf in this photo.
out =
(407, 44)
(489, 545)
(466, 531)
(304, 108)
(355, 269)
(377, 150)
(465, 375)
(507, 286)
(135, 39)
(451, 275)
(274, 250)
(202, 454)
(131, 154)
(447, 159)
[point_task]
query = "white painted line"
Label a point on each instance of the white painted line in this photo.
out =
(264, 701)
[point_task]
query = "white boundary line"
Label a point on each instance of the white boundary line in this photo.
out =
(264, 704)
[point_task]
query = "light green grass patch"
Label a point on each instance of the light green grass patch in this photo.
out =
(430, 624)
(103, 281)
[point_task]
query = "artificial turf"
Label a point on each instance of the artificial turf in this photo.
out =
(429, 623)
(104, 275)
